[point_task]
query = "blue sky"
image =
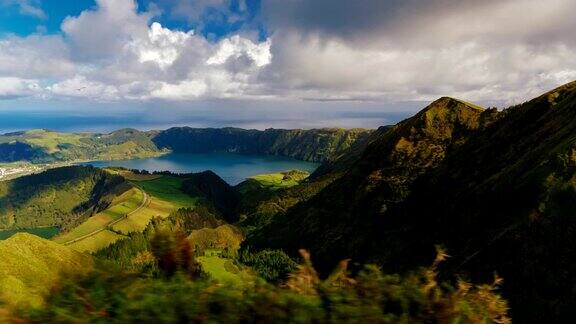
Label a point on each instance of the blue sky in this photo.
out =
(274, 63)
(14, 20)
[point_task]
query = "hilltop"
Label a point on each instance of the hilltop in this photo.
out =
(31, 266)
(338, 217)
(496, 189)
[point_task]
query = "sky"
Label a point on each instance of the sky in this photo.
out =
(82, 64)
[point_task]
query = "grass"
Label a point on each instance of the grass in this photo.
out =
(43, 232)
(51, 140)
(222, 237)
(165, 196)
(122, 205)
(30, 266)
(138, 221)
(131, 176)
(96, 242)
(167, 188)
(275, 180)
(221, 269)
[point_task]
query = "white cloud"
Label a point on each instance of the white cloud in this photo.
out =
(383, 51)
(315, 68)
(236, 46)
(189, 89)
(79, 86)
(102, 34)
(35, 57)
(163, 46)
(112, 52)
(11, 88)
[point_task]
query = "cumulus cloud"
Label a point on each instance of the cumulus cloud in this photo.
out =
(35, 57)
(391, 50)
(322, 50)
(115, 52)
(11, 88)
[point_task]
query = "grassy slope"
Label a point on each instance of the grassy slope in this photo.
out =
(121, 205)
(167, 188)
(57, 197)
(48, 146)
(221, 269)
(30, 266)
(219, 238)
(165, 197)
(280, 180)
(96, 242)
(335, 222)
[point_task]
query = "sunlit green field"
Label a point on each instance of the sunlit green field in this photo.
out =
(165, 196)
(167, 188)
(51, 141)
(122, 205)
(275, 180)
(221, 269)
(96, 242)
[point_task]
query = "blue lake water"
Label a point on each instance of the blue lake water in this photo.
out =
(233, 168)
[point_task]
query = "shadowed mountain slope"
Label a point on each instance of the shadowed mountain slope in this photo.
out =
(497, 190)
(61, 197)
(334, 223)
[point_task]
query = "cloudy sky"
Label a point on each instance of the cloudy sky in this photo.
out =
(273, 63)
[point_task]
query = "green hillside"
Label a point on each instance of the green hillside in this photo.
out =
(336, 218)
(315, 145)
(31, 266)
(45, 146)
(495, 189)
(61, 197)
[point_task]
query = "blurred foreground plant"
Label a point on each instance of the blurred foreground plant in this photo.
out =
(371, 296)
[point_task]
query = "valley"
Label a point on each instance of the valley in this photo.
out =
(456, 191)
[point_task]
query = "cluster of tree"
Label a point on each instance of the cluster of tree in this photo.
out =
(272, 265)
(132, 253)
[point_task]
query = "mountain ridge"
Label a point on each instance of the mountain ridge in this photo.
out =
(495, 190)
(45, 146)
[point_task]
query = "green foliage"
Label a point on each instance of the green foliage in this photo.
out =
(369, 297)
(168, 188)
(271, 265)
(30, 266)
(44, 146)
(260, 206)
(131, 253)
(315, 145)
(215, 191)
(174, 253)
(224, 237)
(61, 197)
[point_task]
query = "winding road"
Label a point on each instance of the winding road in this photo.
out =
(145, 201)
